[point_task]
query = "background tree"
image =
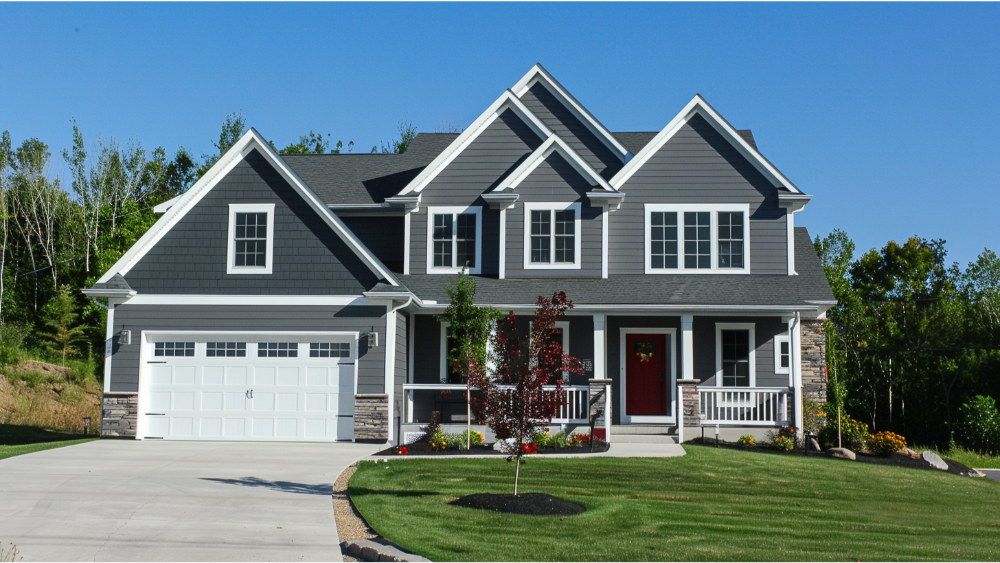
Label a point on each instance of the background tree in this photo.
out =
(61, 334)
(407, 132)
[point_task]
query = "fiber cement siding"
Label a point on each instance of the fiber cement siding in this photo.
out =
(765, 329)
(381, 235)
(137, 318)
(309, 258)
(698, 166)
(477, 169)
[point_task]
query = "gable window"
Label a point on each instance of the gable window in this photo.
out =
(782, 354)
(454, 241)
(697, 238)
(251, 238)
(734, 355)
(552, 235)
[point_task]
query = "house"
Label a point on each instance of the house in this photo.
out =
(294, 297)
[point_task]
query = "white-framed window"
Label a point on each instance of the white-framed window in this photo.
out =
(735, 355)
(552, 236)
(277, 349)
(329, 350)
(174, 349)
(454, 240)
(697, 238)
(782, 354)
(251, 238)
(225, 349)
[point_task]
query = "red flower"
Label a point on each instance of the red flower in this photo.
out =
(403, 450)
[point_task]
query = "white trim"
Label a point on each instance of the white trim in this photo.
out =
(698, 105)
(166, 205)
(507, 100)
(719, 327)
(600, 347)
(454, 212)
(181, 299)
(778, 340)
(795, 328)
(714, 210)
(443, 360)
(604, 241)
(109, 346)
(539, 74)
(411, 323)
(577, 235)
(406, 244)
(234, 208)
(553, 144)
(671, 334)
(390, 365)
(250, 141)
(503, 243)
(790, 244)
(687, 343)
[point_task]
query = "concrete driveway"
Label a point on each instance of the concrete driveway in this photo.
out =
(174, 501)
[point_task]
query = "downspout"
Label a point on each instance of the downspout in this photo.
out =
(390, 379)
(98, 303)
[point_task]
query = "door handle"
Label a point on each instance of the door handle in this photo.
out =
(251, 393)
(248, 393)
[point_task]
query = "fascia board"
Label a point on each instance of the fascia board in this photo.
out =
(574, 105)
(698, 105)
(166, 205)
(440, 162)
(251, 140)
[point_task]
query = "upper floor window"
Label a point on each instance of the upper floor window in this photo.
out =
(251, 238)
(696, 238)
(552, 235)
(454, 241)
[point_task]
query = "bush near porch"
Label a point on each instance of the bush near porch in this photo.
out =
(723, 505)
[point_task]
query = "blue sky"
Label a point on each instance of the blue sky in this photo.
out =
(887, 113)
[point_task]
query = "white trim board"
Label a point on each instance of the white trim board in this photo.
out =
(671, 334)
(714, 209)
(699, 106)
(250, 141)
(507, 100)
(454, 212)
(268, 210)
(182, 299)
(719, 327)
(577, 235)
(553, 144)
(537, 74)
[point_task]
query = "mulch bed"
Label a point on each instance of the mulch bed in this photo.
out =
(535, 504)
(954, 467)
(422, 448)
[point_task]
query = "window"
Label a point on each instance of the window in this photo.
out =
(454, 239)
(782, 354)
(735, 355)
(277, 349)
(329, 350)
(226, 350)
(552, 235)
(174, 349)
(697, 238)
(251, 238)
(449, 373)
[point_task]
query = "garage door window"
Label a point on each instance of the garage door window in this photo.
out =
(171, 349)
(226, 350)
(329, 350)
(277, 349)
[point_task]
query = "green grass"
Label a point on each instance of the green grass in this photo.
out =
(17, 440)
(965, 457)
(710, 505)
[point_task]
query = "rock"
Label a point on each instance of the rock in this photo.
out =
(814, 445)
(841, 453)
(907, 452)
(934, 460)
(379, 549)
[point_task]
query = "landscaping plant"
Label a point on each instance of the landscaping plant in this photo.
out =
(885, 443)
(978, 427)
(853, 434)
(747, 441)
(514, 402)
(784, 443)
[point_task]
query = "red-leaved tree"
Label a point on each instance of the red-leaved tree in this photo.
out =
(515, 402)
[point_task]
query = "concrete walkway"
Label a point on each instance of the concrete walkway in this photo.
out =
(617, 450)
(174, 501)
(991, 473)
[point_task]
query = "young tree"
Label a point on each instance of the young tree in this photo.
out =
(6, 158)
(515, 403)
(407, 132)
(468, 332)
(59, 317)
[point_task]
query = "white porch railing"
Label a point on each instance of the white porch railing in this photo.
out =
(749, 406)
(575, 408)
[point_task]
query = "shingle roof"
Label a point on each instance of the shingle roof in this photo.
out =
(634, 141)
(679, 289)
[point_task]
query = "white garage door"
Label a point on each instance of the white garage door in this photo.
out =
(277, 387)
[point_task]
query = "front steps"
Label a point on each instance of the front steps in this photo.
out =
(643, 434)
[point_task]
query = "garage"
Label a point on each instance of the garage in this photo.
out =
(244, 386)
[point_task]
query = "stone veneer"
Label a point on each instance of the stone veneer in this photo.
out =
(118, 415)
(600, 408)
(813, 360)
(689, 402)
(371, 418)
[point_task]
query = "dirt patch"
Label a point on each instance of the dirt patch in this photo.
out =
(535, 504)
(54, 404)
(954, 467)
(350, 524)
(422, 448)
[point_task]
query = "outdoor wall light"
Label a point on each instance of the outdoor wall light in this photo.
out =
(86, 425)
(124, 337)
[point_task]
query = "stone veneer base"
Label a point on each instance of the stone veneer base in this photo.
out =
(119, 412)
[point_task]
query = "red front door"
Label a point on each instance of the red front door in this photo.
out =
(646, 374)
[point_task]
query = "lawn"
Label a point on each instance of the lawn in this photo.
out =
(710, 505)
(17, 440)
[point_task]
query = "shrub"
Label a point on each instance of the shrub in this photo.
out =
(437, 441)
(784, 443)
(854, 434)
(787, 432)
(541, 439)
(559, 440)
(432, 429)
(978, 425)
(813, 416)
(579, 440)
(81, 370)
(885, 443)
(477, 438)
(747, 441)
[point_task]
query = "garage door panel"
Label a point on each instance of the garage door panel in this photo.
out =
(158, 426)
(161, 375)
(264, 375)
(211, 401)
(287, 402)
(213, 375)
(159, 400)
(235, 427)
(184, 375)
(183, 401)
(211, 427)
(288, 376)
(263, 402)
(263, 427)
(286, 428)
(317, 376)
(316, 402)
(236, 375)
(181, 426)
(236, 401)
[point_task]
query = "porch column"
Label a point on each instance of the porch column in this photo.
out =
(600, 363)
(687, 347)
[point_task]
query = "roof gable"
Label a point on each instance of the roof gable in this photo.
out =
(250, 142)
(698, 106)
(554, 144)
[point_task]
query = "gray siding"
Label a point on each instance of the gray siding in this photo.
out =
(698, 166)
(555, 180)
(426, 349)
(137, 318)
(382, 235)
(765, 329)
(309, 258)
(478, 169)
(564, 123)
